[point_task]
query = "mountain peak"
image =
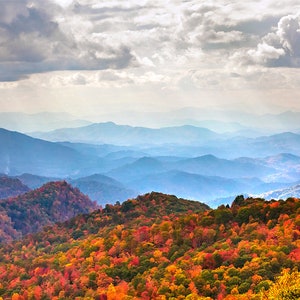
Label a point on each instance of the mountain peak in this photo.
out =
(160, 204)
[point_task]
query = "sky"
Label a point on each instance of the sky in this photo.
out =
(102, 60)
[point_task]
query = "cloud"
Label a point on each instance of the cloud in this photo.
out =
(280, 48)
(289, 34)
(159, 36)
(33, 41)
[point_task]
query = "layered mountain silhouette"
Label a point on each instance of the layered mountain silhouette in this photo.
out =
(111, 133)
(133, 170)
(23, 154)
(103, 189)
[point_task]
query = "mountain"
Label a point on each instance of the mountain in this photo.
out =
(53, 202)
(218, 119)
(137, 169)
(10, 187)
(124, 135)
(44, 121)
(160, 247)
(35, 181)
(187, 185)
(97, 150)
(20, 153)
(186, 141)
(277, 122)
(187, 176)
(103, 189)
(286, 166)
(211, 165)
(228, 148)
(286, 142)
(208, 165)
(291, 191)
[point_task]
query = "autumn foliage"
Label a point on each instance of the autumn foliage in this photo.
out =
(30, 212)
(159, 247)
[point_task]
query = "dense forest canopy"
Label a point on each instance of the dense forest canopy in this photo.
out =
(159, 247)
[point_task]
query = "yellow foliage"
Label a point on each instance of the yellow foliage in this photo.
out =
(157, 254)
(286, 287)
(234, 291)
(171, 269)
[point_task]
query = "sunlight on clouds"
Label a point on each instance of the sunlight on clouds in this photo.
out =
(265, 52)
(171, 52)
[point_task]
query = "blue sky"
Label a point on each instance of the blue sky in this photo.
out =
(104, 59)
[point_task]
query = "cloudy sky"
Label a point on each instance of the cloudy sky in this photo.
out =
(108, 59)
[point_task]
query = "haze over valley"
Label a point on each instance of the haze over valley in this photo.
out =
(111, 162)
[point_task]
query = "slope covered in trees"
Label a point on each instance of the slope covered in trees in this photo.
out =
(159, 247)
(53, 202)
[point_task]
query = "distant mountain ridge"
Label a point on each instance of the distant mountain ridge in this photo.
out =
(103, 189)
(292, 191)
(188, 141)
(142, 169)
(10, 187)
(124, 135)
(20, 153)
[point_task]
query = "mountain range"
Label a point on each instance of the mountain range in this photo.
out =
(186, 141)
(234, 120)
(108, 172)
(124, 135)
(283, 193)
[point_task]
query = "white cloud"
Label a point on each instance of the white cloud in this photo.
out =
(279, 48)
(264, 53)
(34, 41)
(149, 47)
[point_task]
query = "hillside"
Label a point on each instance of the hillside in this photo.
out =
(30, 212)
(11, 187)
(159, 247)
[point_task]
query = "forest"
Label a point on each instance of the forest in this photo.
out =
(160, 247)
